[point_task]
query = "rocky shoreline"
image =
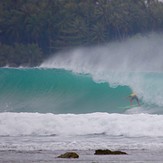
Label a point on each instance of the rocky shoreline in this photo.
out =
(97, 152)
(85, 156)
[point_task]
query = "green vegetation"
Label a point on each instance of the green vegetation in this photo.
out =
(31, 30)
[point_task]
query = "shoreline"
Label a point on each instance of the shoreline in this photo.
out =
(85, 156)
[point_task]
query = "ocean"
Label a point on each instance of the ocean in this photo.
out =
(76, 101)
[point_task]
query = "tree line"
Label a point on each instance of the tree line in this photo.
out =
(31, 30)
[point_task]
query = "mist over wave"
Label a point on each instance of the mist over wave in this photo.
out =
(139, 53)
(136, 62)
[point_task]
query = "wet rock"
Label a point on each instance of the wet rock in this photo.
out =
(69, 155)
(108, 152)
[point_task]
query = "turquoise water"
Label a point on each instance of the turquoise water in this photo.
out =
(62, 91)
(58, 91)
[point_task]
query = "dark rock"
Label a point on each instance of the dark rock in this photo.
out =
(69, 155)
(108, 152)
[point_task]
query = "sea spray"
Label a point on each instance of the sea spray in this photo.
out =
(139, 53)
(136, 62)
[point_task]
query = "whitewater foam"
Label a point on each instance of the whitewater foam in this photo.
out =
(35, 124)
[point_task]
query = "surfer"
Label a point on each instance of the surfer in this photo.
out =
(132, 97)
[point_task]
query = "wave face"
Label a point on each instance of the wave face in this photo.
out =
(61, 91)
(57, 91)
